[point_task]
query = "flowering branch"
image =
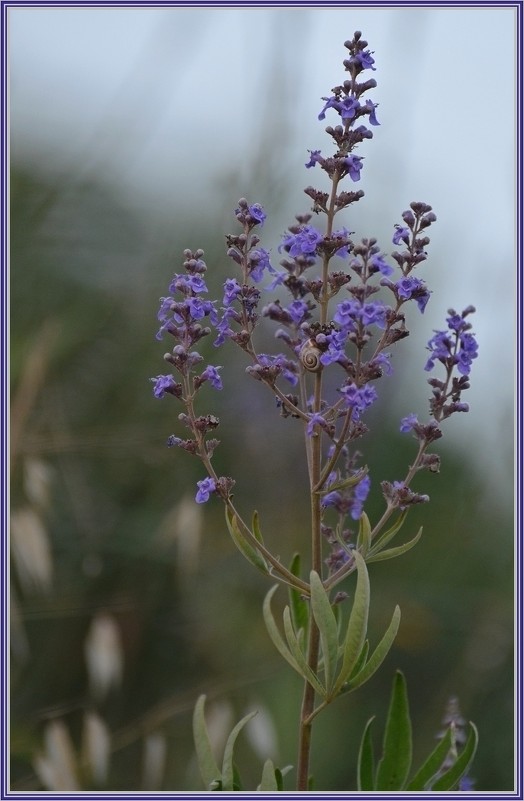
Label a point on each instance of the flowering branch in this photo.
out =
(336, 319)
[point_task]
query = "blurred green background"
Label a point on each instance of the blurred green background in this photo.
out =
(128, 600)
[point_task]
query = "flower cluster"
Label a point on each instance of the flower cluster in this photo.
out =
(181, 316)
(354, 335)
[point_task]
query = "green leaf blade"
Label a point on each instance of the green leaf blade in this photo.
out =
(299, 606)
(274, 632)
(450, 779)
(379, 654)
(246, 549)
(432, 764)
(391, 553)
(366, 767)
(207, 764)
(395, 763)
(269, 781)
(298, 655)
(229, 776)
(364, 534)
(327, 626)
(357, 625)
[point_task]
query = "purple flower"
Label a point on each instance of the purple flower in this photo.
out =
(373, 314)
(468, 351)
(378, 264)
(366, 60)
(360, 494)
(286, 366)
(408, 423)
(347, 314)
(205, 488)
(299, 311)
(350, 311)
(354, 166)
(163, 384)
(359, 398)
(258, 213)
(278, 280)
(400, 235)
(302, 243)
(383, 361)
(347, 107)
(315, 420)
(458, 348)
(372, 117)
(232, 290)
(223, 327)
(258, 262)
(409, 287)
(187, 283)
(336, 344)
(211, 374)
(314, 158)
(199, 308)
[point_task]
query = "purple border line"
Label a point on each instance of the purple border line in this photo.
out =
(465, 4)
(5, 5)
(519, 414)
(3, 402)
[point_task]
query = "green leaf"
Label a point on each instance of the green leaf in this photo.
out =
(245, 548)
(346, 483)
(274, 633)
(450, 779)
(364, 534)
(357, 624)
(379, 556)
(269, 778)
(279, 775)
(432, 764)
(327, 626)
(209, 769)
(366, 768)
(256, 528)
(379, 654)
(361, 661)
(229, 776)
(299, 606)
(388, 535)
(298, 654)
(394, 765)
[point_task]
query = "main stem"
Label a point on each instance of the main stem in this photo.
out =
(308, 698)
(315, 471)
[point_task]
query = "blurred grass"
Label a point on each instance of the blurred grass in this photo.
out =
(85, 279)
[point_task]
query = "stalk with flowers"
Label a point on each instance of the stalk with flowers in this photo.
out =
(344, 314)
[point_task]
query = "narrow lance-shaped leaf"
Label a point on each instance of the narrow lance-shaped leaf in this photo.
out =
(327, 626)
(378, 655)
(432, 764)
(274, 632)
(228, 770)
(388, 535)
(394, 765)
(298, 655)
(364, 535)
(391, 553)
(269, 780)
(450, 779)
(366, 768)
(256, 528)
(208, 767)
(245, 548)
(357, 624)
(299, 606)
